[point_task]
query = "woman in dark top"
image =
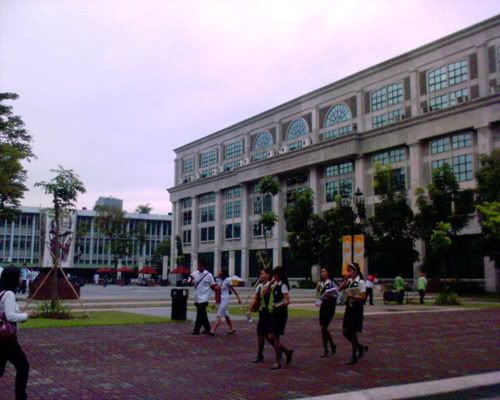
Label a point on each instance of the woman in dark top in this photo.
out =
(326, 293)
(353, 317)
(278, 305)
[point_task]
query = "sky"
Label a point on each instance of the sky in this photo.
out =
(109, 88)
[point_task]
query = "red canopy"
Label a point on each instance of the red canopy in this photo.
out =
(106, 270)
(180, 269)
(148, 270)
(126, 269)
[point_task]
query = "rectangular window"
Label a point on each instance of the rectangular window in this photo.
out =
(229, 166)
(341, 187)
(378, 99)
(379, 120)
(188, 165)
(394, 116)
(458, 96)
(440, 145)
(233, 150)
(345, 168)
(399, 178)
(208, 159)
(437, 79)
(186, 218)
(207, 234)
(260, 156)
(330, 134)
(457, 72)
(462, 167)
(232, 193)
(461, 141)
(233, 231)
(186, 203)
(344, 130)
(394, 93)
(207, 214)
(258, 230)
(207, 198)
(295, 145)
(390, 157)
(439, 163)
(438, 102)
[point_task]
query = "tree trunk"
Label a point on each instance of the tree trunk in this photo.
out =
(56, 261)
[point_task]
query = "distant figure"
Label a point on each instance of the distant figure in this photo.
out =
(422, 286)
(24, 278)
(1, 270)
(203, 281)
(225, 291)
(11, 350)
(326, 293)
(370, 284)
(399, 288)
(96, 279)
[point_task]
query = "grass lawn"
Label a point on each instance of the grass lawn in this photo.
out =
(97, 318)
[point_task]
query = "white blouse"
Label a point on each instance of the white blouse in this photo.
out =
(9, 306)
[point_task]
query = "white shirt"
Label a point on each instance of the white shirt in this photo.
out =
(202, 282)
(8, 305)
(369, 284)
(357, 283)
(225, 286)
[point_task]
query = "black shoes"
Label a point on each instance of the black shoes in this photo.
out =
(195, 333)
(362, 350)
(289, 355)
(259, 359)
(324, 355)
(334, 348)
(352, 361)
(276, 366)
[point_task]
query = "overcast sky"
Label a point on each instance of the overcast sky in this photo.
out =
(110, 87)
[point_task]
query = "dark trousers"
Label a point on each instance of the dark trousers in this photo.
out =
(400, 296)
(201, 317)
(422, 295)
(369, 295)
(23, 286)
(13, 353)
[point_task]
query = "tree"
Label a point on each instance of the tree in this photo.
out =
(161, 250)
(490, 225)
(120, 242)
(440, 243)
(267, 220)
(444, 202)
(64, 189)
(488, 177)
(181, 258)
(391, 239)
(15, 147)
(144, 208)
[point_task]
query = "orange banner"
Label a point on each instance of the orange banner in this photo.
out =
(359, 252)
(346, 253)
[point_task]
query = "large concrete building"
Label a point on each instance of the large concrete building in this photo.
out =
(26, 239)
(436, 104)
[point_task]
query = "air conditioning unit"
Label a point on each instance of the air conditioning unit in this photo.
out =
(306, 142)
(397, 118)
(245, 161)
(181, 181)
(355, 127)
(220, 169)
(403, 116)
(425, 110)
(197, 176)
(283, 150)
(494, 89)
(214, 171)
(270, 153)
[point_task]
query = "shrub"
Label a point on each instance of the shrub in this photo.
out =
(447, 298)
(53, 309)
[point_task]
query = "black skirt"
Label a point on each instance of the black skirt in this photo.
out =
(353, 317)
(263, 324)
(277, 321)
(326, 312)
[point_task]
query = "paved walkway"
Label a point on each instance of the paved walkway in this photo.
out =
(165, 362)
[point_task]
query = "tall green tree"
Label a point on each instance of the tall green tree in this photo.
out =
(443, 202)
(120, 242)
(64, 189)
(488, 204)
(391, 239)
(15, 147)
(144, 208)
(161, 250)
(268, 187)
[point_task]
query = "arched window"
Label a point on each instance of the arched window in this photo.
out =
(338, 113)
(297, 128)
(264, 140)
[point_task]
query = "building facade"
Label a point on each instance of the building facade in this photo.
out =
(437, 104)
(26, 238)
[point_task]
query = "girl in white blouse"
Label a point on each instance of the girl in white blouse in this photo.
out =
(11, 351)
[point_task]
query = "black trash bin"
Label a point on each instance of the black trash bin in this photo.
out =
(179, 304)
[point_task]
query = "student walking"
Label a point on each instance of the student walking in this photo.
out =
(422, 286)
(278, 303)
(353, 317)
(203, 282)
(326, 293)
(399, 288)
(370, 284)
(226, 288)
(11, 351)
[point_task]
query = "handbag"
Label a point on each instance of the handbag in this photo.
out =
(8, 330)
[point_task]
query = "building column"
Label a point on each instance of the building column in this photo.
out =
(278, 228)
(278, 136)
(360, 110)
(360, 167)
(314, 184)
(415, 179)
(231, 262)
(415, 93)
(177, 170)
(482, 70)
(245, 214)
(219, 229)
(485, 140)
(195, 234)
(315, 125)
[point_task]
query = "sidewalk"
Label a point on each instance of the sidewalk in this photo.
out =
(164, 361)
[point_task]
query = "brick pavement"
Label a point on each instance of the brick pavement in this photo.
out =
(166, 362)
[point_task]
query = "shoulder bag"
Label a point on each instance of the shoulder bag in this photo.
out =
(8, 331)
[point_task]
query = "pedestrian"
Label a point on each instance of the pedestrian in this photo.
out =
(399, 288)
(11, 351)
(422, 286)
(96, 279)
(278, 307)
(260, 303)
(355, 291)
(203, 282)
(370, 284)
(326, 293)
(226, 288)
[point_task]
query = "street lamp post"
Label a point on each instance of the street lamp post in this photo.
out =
(358, 201)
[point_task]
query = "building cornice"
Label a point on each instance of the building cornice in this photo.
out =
(447, 40)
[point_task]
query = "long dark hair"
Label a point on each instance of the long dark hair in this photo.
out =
(9, 280)
(280, 275)
(224, 273)
(355, 266)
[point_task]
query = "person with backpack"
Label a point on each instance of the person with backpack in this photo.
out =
(326, 293)
(10, 350)
(203, 281)
(226, 288)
